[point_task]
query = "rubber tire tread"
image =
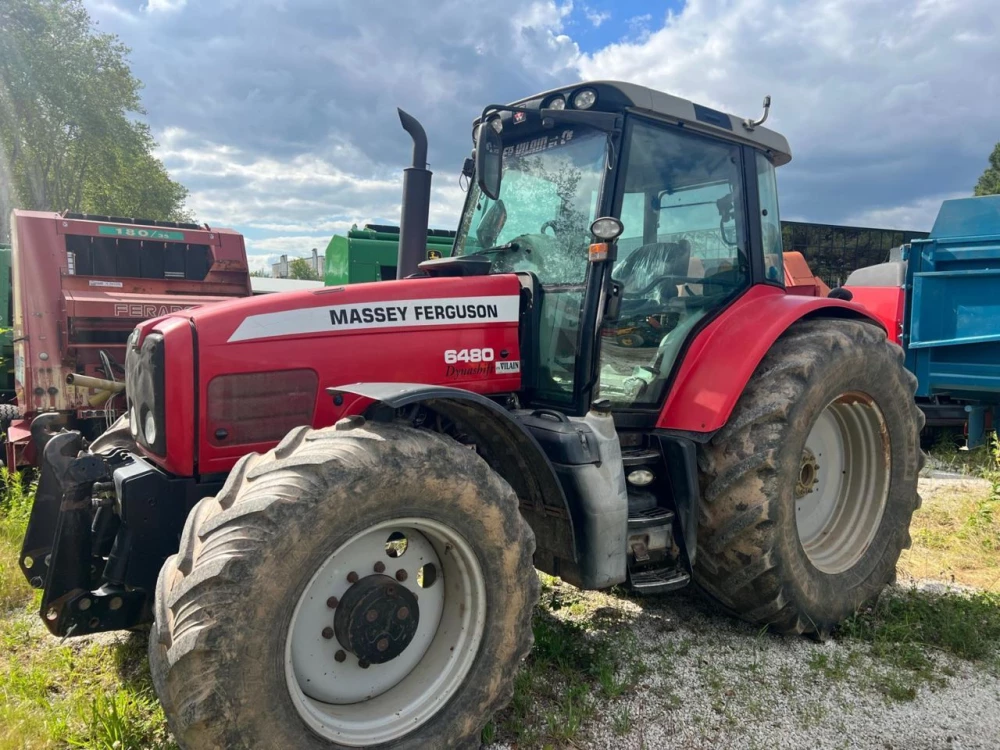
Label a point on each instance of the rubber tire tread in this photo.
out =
(749, 557)
(224, 601)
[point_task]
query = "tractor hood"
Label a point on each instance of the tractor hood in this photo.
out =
(262, 365)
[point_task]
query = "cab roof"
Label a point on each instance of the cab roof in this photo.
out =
(616, 96)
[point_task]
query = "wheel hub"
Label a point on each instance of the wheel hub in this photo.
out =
(376, 619)
(808, 474)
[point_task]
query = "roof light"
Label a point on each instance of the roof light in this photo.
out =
(584, 99)
(557, 102)
(497, 125)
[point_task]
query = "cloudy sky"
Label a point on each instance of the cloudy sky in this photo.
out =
(279, 115)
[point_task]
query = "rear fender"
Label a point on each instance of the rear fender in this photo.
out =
(718, 362)
(505, 444)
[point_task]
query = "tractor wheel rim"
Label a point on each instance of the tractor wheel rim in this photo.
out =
(357, 703)
(843, 483)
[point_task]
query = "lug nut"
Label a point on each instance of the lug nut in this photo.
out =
(380, 567)
(332, 602)
(371, 615)
(84, 604)
(328, 633)
(383, 644)
(364, 663)
(340, 655)
(403, 613)
(400, 575)
(352, 577)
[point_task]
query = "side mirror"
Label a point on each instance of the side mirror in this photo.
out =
(489, 159)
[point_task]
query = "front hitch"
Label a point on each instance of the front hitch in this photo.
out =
(37, 546)
(58, 553)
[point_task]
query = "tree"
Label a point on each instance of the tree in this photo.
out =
(299, 268)
(69, 139)
(989, 182)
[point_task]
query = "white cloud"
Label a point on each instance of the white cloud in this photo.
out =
(296, 246)
(280, 116)
(916, 215)
(164, 6)
(596, 17)
(638, 26)
(883, 103)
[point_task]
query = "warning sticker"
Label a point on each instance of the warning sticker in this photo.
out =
(111, 284)
(505, 367)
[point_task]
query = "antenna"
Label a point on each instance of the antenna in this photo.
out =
(751, 124)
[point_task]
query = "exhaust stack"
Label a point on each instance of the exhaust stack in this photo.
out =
(416, 201)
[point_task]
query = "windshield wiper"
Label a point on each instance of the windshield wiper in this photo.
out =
(510, 247)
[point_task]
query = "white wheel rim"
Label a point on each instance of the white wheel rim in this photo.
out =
(355, 706)
(843, 483)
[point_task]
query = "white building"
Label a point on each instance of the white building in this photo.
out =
(280, 269)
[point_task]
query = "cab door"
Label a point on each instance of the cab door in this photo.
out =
(683, 256)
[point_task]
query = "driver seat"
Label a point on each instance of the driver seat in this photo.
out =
(658, 259)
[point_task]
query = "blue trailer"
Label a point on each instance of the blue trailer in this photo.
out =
(939, 297)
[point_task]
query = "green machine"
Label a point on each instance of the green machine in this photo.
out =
(369, 254)
(6, 326)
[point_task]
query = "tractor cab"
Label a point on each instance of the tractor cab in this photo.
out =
(693, 192)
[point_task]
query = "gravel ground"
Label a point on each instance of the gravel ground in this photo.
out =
(713, 682)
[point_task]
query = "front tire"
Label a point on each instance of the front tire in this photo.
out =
(810, 487)
(261, 638)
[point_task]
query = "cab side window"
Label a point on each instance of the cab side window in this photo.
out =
(770, 225)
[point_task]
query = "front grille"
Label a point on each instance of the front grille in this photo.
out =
(259, 407)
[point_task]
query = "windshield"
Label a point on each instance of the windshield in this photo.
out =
(548, 199)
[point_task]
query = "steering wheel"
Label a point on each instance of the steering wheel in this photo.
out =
(664, 280)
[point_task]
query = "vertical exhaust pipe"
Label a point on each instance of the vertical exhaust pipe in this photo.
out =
(416, 201)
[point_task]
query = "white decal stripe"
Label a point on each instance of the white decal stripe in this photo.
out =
(380, 314)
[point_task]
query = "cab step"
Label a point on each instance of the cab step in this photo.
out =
(644, 519)
(658, 580)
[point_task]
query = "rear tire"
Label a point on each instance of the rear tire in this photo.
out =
(225, 649)
(810, 487)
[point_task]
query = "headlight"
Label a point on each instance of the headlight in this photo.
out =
(144, 383)
(149, 428)
(584, 99)
(557, 103)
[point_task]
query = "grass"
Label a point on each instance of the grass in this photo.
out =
(93, 693)
(584, 657)
(15, 506)
(587, 662)
(956, 534)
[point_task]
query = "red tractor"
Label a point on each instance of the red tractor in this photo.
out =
(330, 503)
